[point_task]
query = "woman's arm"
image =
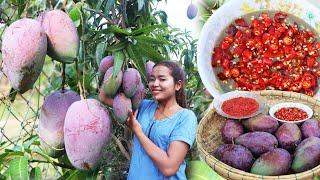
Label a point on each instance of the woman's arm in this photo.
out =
(167, 162)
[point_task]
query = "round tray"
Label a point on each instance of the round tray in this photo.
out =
(234, 94)
(209, 137)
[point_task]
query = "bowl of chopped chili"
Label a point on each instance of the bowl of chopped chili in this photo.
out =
(257, 45)
(291, 112)
(239, 104)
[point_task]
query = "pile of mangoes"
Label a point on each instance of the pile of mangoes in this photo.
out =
(262, 146)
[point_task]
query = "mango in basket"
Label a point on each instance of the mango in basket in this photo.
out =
(264, 123)
(258, 142)
(289, 136)
(273, 163)
(310, 127)
(307, 155)
(235, 156)
(231, 130)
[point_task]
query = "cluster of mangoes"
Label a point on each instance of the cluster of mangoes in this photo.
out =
(123, 91)
(26, 42)
(258, 145)
(69, 124)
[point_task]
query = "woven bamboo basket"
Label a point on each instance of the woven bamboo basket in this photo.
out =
(209, 137)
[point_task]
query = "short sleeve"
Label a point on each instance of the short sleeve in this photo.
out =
(185, 130)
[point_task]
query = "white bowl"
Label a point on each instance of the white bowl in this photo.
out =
(218, 101)
(232, 10)
(301, 106)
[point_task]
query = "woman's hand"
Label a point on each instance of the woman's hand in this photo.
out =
(133, 123)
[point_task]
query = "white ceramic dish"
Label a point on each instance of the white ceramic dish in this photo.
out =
(301, 106)
(218, 101)
(234, 9)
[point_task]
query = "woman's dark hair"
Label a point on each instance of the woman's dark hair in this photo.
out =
(178, 74)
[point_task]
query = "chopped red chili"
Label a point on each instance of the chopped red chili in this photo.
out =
(240, 106)
(291, 114)
(268, 53)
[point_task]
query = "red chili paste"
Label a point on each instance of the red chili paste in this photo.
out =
(291, 114)
(240, 106)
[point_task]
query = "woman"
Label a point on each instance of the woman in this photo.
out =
(164, 129)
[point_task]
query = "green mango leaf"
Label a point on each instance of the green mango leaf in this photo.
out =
(101, 47)
(118, 31)
(75, 15)
(38, 151)
(118, 62)
(108, 6)
(30, 141)
(3, 177)
(149, 52)
(99, 4)
(198, 170)
(21, 6)
(140, 4)
(73, 175)
(117, 47)
(148, 29)
(7, 156)
(162, 15)
(150, 40)
(18, 169)
(91, 175)
(35, 174)
(137, 60)
(6, 174)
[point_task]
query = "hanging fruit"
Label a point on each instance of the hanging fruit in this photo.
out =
(192, 11)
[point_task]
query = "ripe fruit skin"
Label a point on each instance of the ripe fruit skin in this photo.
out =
(63, 39)
(24, 47)
(130, 81)
(192, 11)
(87, 130)
(51, 120)
(121, 107)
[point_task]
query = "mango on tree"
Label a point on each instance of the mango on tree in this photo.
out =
(51, 121)
(111, 83)
(121, 107)
(24, 47)
(87, 129)
(63, 39)
(130, 82)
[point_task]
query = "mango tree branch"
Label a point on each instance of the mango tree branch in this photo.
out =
(78, 80)
(122, 149)
(54, 163)
(63, 76)
(100, 14)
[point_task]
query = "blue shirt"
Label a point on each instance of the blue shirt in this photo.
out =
(179, 127)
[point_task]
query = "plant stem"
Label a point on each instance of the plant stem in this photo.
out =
(122, 149)
(100, 14)
(124, 13)
(63, 76)
(55, 163)
(78, 79)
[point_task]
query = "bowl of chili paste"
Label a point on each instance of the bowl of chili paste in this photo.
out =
(256, 45)
(291, 112)
(239, 104)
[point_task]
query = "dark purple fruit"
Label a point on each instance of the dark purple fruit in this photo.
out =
(235, 156)
(231, 130)
(192, 11)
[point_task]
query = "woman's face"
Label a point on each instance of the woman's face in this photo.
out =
(162, 84)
